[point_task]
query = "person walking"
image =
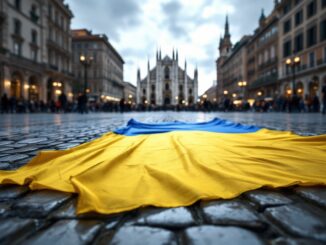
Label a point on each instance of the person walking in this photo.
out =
(4, 103)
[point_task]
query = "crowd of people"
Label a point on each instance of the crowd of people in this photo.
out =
(82, 104)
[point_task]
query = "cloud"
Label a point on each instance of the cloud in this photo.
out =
(138, 28)
(113, 16)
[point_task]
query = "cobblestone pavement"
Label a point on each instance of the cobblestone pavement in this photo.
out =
(284, 216)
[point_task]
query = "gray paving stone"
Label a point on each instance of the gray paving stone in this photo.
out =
(8, 192)
(13, 158)
(266, 198)
(17, 145)
(298, 221)
(67, 232)
(4, 149)
(40, 203)
(168, 218)
(4, 209)
(32, 141)
(4, 166)
(314, 194)
(290, 241)
(66, 146)
(15, 229)
(27, 149)
(211, 235)
(140, 235)
(5, 142)
(231, 213)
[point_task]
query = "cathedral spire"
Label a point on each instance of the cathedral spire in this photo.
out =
(173, 54)
(177, 56)
(138, 74)
(262, 17)
(226, 28)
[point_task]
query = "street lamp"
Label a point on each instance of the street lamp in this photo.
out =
(86, 62)
(293, 62)
(242, 84)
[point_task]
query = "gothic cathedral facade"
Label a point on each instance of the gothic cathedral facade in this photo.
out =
(167, 84)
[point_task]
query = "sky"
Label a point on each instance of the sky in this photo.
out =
(137, 29)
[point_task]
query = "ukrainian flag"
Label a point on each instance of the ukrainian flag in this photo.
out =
(175, 164)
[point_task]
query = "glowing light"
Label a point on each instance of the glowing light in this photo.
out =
(259, 93)
(205, 96)
(297, 59)
(58, 92)
(146, 102)
(7, 83)
(88, 90)
(225, 92)
(70, 94)
(130, 96)
(26, 86)
(82, 58)
(234, 95)
(288, 61)
(299, 90)
(54, 84)
(59, 84)
(289, 91)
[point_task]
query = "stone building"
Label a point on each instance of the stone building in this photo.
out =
(105, 73)
(130, 93)
(302, 33)
(35, 49)
(167, 84)
(262, 62)
(231, 66)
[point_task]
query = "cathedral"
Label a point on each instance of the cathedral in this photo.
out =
(167, 84)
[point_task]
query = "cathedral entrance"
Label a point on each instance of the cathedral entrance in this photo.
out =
(167, 101)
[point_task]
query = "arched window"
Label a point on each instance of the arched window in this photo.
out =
(144, 91)
(167, 72)
(167, 87)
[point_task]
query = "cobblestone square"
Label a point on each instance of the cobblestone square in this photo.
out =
(284, 216)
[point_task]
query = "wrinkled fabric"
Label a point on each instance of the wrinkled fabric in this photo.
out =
(118, 172)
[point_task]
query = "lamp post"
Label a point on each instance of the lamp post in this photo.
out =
(242, 85)
(86, 62)
(293, 62)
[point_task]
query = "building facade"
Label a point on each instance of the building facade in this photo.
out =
(130, 93)
(167, 84)
(262, 58)
(105, 73)
(35, 49)
(302, 34)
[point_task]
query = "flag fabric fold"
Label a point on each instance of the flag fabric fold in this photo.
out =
(175, 164)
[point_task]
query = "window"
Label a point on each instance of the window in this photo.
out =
(17, 27)
(167, 73)
(298, 18)
(33, 13)
(273, 52)
(167, 87)
(287, 26)
(17, 4)
(311, 9)
(153, 88)
(34, 54)
(311, 36)
(312, 59)
(296, 2)
(17, 48)
(298, 42)
(190, 91)
(144, 91)
(34, 37)
(287, 8)
(50, 11)
(323, 3)
(287, 48)
(323, 30)
(180, 87)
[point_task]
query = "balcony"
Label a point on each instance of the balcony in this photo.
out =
(264, 81)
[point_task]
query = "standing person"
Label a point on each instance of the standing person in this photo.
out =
(63, 102)
(324, 97)
(4, 103)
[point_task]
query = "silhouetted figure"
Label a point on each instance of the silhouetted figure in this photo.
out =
(324, 98)
(122, 105)
(315, 104)
(4, 103)
(63, 102)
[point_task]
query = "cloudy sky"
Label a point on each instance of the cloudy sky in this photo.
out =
(138, 28)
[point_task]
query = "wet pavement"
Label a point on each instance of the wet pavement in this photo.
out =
(284, 216)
